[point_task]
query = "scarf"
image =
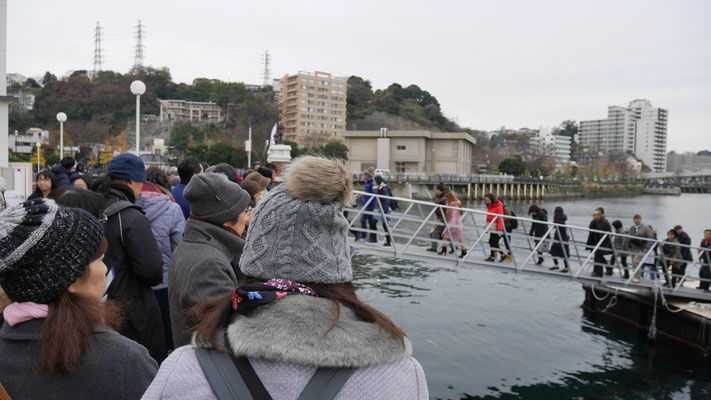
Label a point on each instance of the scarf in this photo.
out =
(247, 297)
(16, 313)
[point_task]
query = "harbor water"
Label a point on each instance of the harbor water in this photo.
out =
(484, 334)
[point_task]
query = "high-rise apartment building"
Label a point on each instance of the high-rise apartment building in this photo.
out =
(313, 108)
(639, 129)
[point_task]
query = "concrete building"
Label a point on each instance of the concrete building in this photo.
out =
(639, 129)
(24, 143)
(25, 102)
(193, 111)
(410, 151)
(687, 161)
(545, 143)
(313, 107)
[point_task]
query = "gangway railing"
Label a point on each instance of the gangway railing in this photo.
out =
(411, 224)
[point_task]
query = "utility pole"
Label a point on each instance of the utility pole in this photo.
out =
(97, 49)
(249, 147)
(138, 58)
(267, 73)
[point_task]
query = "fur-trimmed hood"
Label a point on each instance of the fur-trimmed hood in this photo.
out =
(292, 330)
(319, 179)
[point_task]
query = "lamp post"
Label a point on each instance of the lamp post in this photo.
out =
(138, 88)
(61, 117)
(38, 156)
(16, 136)
(279, 137)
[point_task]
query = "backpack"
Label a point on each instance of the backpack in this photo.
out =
(511, 222)
(232, 377)
(116, 208)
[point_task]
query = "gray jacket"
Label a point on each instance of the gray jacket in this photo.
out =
(116, 368)
(644, 231)
(285, 343)
(622, 243)
(204, 266)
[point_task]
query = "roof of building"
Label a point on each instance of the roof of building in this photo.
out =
(413, 134)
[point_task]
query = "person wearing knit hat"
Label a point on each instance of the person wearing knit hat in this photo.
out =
(56, 336)
(296, 308)
(133, 253)
(205, 263)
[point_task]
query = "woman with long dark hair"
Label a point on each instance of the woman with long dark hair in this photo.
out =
(560, 247)
(294, 319)
(56, 338)
(46, 182)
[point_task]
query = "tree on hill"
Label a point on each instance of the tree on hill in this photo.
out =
(410, 102)
(512, 166)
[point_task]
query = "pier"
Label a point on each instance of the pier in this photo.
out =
(411, 223)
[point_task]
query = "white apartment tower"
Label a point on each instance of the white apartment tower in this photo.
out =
(639, 129)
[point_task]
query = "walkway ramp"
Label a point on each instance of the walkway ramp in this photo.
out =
(412, 222)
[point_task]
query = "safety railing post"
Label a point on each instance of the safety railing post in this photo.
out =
(535, 249)
(592, 254)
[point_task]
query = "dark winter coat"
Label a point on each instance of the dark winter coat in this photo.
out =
(538, 229)
(684, 238)
(594, 237)
(706, 248)
(441, 200)
(114, 368)
(77, 173)
(205, 266)
(137, 262)
(62, 175)
(385, 203)
(167, 224)
(368, 189)
(181, 200)
(561, 240)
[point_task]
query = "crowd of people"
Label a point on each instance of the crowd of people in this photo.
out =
(672, 256)
(129, 286)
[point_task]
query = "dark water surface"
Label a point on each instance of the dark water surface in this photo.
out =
(482, 334)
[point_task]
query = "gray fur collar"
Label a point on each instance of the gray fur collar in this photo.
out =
(291, 330)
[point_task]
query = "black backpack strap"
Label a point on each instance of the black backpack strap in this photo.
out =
(254, 384)
(222, 374)
(326, 383)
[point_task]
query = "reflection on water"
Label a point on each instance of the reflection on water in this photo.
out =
(482, 334)
(393, 277)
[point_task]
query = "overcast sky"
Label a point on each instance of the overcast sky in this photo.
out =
(514, 63)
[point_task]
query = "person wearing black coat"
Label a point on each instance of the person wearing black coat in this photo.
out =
(538, 229)
(600, 223)
(679, 269)
(133, 254)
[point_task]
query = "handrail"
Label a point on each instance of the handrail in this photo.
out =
(408, 233)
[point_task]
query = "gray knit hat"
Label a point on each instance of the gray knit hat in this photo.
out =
(298, 230)
(44, 248)
(214, 198)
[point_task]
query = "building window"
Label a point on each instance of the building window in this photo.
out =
(455, 149)
(400, 167)
(401, 147)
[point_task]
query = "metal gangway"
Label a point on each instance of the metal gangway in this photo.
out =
(411, 224)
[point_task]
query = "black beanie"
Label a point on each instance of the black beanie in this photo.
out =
(44, 248)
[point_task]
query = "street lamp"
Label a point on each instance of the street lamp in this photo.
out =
(279, 137)
(61, 117)
(138, 88)
(38, 156)
(16, 135)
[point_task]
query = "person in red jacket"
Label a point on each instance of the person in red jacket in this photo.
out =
(494, 206)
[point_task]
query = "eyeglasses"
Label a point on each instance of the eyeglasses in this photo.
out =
(103, 218)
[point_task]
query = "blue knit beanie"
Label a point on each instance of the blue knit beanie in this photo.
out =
(128, 166)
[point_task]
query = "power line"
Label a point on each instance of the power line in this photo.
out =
(98, 56)
(138, 58)
(267, 73)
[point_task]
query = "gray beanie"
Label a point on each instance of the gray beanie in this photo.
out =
(213, 198)
(298, 230)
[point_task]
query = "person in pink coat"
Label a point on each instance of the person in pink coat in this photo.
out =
(454, 229)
